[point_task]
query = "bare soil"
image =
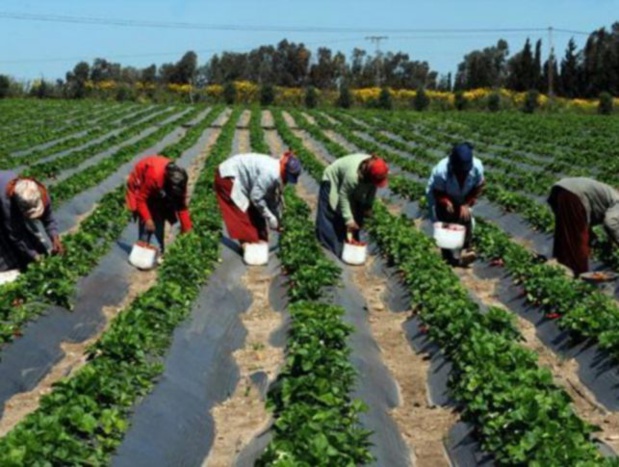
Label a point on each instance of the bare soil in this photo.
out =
(564, 371)
(243, 416)
(267, 119)
(244, 119)
(25, 403)
(424, 426)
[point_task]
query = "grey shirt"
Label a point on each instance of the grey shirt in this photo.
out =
(601, 201)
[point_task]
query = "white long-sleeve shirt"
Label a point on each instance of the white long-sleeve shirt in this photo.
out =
(257, 180)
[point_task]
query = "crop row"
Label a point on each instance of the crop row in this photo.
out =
(53, 131)
(545, 286)
(20, 120)
(520, 415)
(498, 188)
(116, 120)
(53, 280)
(52, 168)
(84, 419)
(316, 420)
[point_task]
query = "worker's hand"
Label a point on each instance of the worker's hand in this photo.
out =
(352, 226)
(37, 258)
(273, 224)
(57, 246)
(465, 212)
(149, 225)
(449, 207)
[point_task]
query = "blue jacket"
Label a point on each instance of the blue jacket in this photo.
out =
(443, 179)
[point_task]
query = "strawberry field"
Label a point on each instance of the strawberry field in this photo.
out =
(402, 361)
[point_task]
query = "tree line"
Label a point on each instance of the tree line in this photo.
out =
(579, 73)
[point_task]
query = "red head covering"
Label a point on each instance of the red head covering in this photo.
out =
(378, 171)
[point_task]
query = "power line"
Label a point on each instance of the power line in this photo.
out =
(154, 54)
(253, 28)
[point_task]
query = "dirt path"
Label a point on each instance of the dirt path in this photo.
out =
(23, 404)
(243, 416)
(423, 426)
(243, 122)
(565, 372)
(267, 119)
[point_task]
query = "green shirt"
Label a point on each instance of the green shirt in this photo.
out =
(348, 192)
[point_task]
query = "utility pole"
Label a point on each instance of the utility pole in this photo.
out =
(551, 60)
(376, 40)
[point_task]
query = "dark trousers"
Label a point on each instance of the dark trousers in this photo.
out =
(146, 237)
(330, 226)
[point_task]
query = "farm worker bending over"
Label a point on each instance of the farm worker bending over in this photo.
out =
(156, 192)
(249, 192)
(578, 204)
(346, 197)
(23, 239)
(452, 190)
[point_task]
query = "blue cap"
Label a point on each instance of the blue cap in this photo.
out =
(461, 157)
(293, 169)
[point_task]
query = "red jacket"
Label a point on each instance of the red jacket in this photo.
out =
(144, 186)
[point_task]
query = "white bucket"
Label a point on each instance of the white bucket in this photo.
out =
(256, 254)
(354, 254)
(143, 256)
(7, 277)
(449, 236)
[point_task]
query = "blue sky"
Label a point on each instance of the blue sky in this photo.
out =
(32, 49)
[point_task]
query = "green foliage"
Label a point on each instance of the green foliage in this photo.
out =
(460, 102)
(229, 93)
(83, 420)
(605, 104)
(421, 101)
(311, 97)
(267, 95)
(494, 102)
(384, 99)
(344, 99)
(5, 86)
(531, 101)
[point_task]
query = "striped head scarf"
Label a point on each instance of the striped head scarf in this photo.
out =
(29, 198)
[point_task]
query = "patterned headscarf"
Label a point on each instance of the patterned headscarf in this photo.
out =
(29, 198)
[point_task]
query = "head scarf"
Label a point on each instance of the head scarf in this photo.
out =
(461, 157)
(29, 198)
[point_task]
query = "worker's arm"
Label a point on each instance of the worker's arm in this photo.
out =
(184, 217)
(471, 198)
(611, 224)
(258, 196)
(49, 221)
(343, 203)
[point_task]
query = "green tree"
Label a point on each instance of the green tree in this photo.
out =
(571, 72)
(531, 101)
(344, 100)
(421, 101)
(384, 99)
(483, 68)
(311, 97)
(494, 102)
(5, 86)
(460, 102)
(76, 80)
(605, 104)
(229, 93)
(267, 95)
